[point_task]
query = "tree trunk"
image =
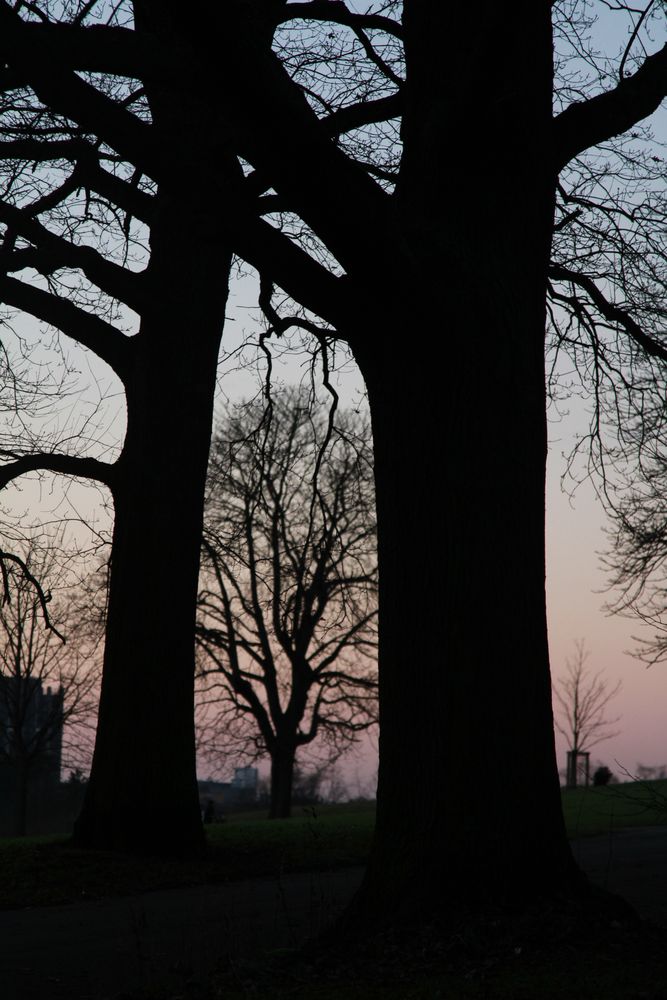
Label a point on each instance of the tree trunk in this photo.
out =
(142, 795)
(21, 800)
(468, 796)
(282, 774)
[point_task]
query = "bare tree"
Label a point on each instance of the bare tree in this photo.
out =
(582, 699)
(48, 680)
(288, 600)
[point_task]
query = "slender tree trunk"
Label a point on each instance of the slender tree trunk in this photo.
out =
(468, 797)
(21, 800)
(142, 794)
(282, 775)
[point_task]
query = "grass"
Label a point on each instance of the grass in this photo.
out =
(38, 871)
(590, 811)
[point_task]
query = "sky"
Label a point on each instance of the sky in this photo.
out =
(576, 596)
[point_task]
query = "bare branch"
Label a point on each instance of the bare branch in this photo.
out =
(66, 465)
(588, 123)
(117, 281)
(89, 330)
(610, 311)
(336, 12)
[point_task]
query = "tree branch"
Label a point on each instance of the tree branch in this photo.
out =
(357, 115)
(285, 264)
(111, 278)
(102, 48)
(88, 172)
(67, 94)
(42, 597)
(96, 334)
(376, 58)
(611, 312)
(125, 195)
(337, 13)
(41, 151)
(588, 123)
(66, 465)
(282, 137)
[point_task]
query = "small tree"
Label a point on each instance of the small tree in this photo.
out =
(287, 607)
(46, 682)
(582, 699)
(602, 776)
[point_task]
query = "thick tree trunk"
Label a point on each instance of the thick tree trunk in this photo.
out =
(282, 775)
(142, 794)
(468, 797)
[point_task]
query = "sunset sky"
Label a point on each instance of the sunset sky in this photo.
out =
(576, 595)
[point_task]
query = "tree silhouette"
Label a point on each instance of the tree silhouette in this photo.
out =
(399, 180)
(582, 699)
(288, 605)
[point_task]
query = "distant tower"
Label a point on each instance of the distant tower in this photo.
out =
(244, 784)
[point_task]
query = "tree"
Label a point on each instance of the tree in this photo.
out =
(582, 699)
(83, 210)
(602, 776)
(287, 605)
(429, 251)
(47, 684)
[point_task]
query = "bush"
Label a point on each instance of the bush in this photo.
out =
(602, 776)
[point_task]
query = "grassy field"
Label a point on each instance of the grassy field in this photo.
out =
(38, 871)
(590, 811)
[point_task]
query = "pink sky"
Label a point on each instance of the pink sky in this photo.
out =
(575, 598)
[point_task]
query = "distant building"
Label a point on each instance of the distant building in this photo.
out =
(227, 796)
(245, 781)
(31, 724)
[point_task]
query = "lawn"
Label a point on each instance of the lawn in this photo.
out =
(592, 810)
(38, 871)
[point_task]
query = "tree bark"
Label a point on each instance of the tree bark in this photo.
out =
(282, 774)
(468, 796)
(142, 794)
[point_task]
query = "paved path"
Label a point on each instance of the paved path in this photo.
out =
(167, 936)
(632, 863)
(96, 950)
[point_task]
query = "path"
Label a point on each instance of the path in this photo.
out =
(632, 863)
(87, 951)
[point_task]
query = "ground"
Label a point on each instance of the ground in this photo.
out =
(204, 941)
